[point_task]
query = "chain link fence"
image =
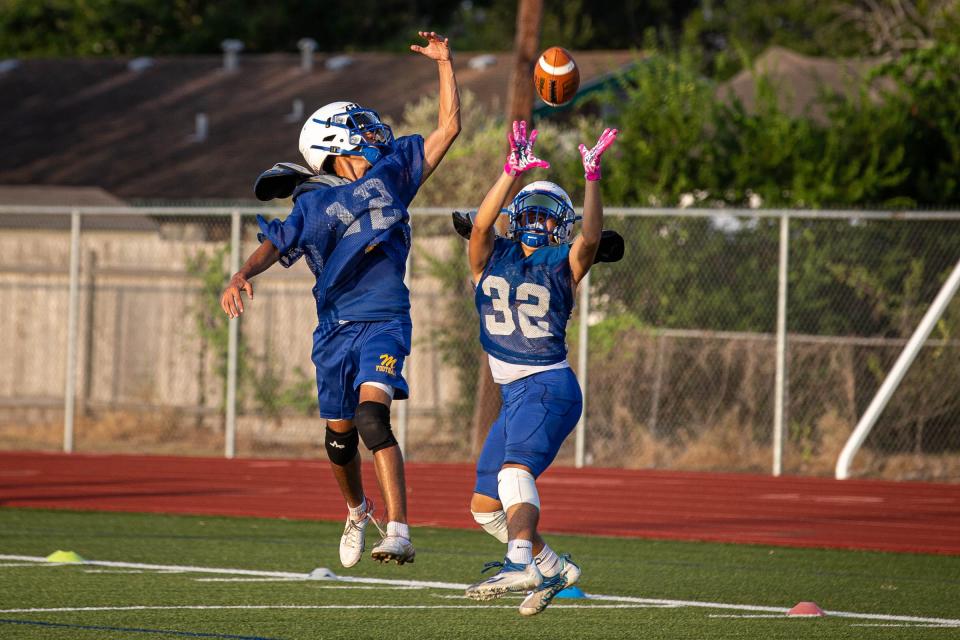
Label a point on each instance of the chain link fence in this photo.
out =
(680, 353)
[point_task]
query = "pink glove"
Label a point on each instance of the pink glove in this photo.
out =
(591, 157)
(521, 156)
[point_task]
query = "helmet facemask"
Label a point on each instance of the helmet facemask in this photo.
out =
(541, 216)
(372, 137)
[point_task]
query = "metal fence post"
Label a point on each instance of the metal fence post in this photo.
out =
(70, 382)
(230, 426)
(582, 353)
(780, 391)
(402, 412)
(657, 384)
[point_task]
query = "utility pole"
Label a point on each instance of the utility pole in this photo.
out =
(526, 49)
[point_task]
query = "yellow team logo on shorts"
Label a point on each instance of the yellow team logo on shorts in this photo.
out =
(387, 364)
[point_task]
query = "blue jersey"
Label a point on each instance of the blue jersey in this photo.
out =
(524, 303)
(356, 237)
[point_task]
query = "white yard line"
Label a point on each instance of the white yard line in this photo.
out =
(553, 607)
(625, 601)
(745, 615)
(326, 586)
(910, 626)
(116, 571)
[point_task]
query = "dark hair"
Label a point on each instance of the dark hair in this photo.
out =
(327, 166)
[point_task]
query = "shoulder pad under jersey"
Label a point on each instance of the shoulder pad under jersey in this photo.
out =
(283, 179)
(322, 181)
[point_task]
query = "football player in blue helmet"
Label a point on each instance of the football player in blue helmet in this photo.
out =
(525, 286)
(350, 222)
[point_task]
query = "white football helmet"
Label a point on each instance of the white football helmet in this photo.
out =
(531, 208)
(343, 129)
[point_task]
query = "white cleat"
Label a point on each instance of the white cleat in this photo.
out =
(542, 596)
(395, 548)
(353, 539)
(511, 577)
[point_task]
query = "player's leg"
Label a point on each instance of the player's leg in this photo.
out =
(374, 420)
(485, 504)
(337, 401)
(487, 509)
(345, 464)
(557, 393)
(341, 443)
(373, 417)
(385, 345)
(515, 490)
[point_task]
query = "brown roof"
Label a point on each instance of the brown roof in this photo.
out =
(94, 122)
(61, 196)
(49, 195)
(798, 79)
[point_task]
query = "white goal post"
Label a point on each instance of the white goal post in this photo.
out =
(896, 374)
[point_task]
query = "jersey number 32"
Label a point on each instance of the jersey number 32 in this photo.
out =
(528, 315)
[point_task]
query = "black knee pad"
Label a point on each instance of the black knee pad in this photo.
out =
(373, 423)
(341, 447)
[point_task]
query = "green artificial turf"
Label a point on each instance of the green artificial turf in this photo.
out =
(841, 581)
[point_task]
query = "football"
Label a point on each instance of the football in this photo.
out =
(556, 77)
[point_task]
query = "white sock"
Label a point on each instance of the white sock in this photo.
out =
(548, 562)
(520, 551)
(357, 512)
(398, 529)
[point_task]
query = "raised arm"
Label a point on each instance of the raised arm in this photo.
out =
(259, 261)
(584, 248)
(448, 123)
(519, 159)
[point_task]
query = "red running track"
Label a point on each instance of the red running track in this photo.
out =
(739, 508)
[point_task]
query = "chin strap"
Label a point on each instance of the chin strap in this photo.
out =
(533, 239)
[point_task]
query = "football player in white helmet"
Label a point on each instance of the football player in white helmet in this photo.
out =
(357, 204)
(525, 286)
(343, 129)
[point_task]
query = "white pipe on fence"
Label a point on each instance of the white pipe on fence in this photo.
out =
(896, 374)
(233, 337)
(582, 353)
(70, 383)
(780, 382)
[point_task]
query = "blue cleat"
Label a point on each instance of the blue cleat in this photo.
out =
(543, 595)
(511, 577)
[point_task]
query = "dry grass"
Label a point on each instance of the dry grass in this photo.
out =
(726, 446)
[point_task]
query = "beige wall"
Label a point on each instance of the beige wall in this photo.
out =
(139, 344)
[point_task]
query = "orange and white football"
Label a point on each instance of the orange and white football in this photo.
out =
(556, 76)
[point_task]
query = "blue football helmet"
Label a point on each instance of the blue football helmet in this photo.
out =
(344, 129)
(533, 206)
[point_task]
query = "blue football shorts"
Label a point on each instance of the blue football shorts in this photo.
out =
(347, 354)
(537, 415)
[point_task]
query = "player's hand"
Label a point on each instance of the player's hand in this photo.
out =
(591, 157)
(231, 301)
(521, 156)
(438, 47)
